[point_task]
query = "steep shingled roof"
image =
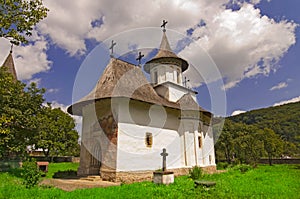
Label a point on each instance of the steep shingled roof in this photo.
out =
(165, 54)
(9, 64)
(122, 79)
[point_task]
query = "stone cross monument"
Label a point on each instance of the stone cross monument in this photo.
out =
(164, 154)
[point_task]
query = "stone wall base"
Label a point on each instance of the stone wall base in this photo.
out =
(209, 169)
(139, 176)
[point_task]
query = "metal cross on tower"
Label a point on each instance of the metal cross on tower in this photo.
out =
(164, 154)
(164, 25)
(139, 58)
(185, 81)
(11, 48)
(112, 48)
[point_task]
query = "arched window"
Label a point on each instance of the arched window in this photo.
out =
(155, 77)
(178, 76)
(149, 140)
(199, 140)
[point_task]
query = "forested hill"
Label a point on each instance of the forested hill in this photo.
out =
(283, 120)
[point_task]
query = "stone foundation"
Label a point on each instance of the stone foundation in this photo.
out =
(209, 169)
(139, 176)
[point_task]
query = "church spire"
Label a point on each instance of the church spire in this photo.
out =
(164, 45)
(165, 55)
(9, 64)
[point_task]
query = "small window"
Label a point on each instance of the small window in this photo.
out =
(178, 76)
(155, 77)
(209, 158)
(149, 139)
(200, 141)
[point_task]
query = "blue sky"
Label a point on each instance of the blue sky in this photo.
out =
(254, 44)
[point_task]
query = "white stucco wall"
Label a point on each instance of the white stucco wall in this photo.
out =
(180, 139)
(208, 147)
(134, 155)
(167, 72)
(175, 93)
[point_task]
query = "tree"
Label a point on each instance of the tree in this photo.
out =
(19, 106)
(248, 147)
(284, 120)
(56, 134)
(18, 17)
(226, 140)
(273, 144)
(240, 142)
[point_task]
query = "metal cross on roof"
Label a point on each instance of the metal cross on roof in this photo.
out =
(112, 48)
(164, 154)
(139, 58)
(185, 81)
(164, 25)
(11, 48)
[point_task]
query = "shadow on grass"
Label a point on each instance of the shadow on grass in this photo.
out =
(296, 167)
(68, 174)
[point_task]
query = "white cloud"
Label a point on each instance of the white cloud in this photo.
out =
(236, 40)
(237, 112)
(37, 81)
(293, 100)
(52, 90)
(279, 86)
(244, 43)
(30, 59)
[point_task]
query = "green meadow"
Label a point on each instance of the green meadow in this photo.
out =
(278, 181)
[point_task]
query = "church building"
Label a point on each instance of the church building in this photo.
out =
(128, 121)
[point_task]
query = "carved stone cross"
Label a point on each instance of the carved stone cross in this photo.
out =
(112, 48)
(164, 25)
(139, 58)
(164, 154)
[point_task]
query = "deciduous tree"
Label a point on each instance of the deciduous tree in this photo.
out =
(56, 132)
(19, 106)
(18, 18)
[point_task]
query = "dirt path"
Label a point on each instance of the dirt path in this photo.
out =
(72, 184)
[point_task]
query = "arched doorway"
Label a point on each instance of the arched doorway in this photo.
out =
(95, 160)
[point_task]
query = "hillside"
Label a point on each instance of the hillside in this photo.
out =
(283, 120)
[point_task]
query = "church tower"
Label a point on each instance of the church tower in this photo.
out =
(165, 70)
(10, 66)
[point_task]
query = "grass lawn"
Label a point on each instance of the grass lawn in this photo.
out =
(278, 181)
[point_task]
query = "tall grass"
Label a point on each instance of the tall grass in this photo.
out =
(278, 181)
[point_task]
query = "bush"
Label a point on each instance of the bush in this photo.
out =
(30, 173)
(243, 168)
(196, 173)
(222, 165)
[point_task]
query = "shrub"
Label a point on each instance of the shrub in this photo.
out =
(243, 168)
(222, 165)
(195, 173)
(30, 173)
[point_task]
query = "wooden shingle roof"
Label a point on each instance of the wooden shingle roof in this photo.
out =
(165, 55)
(122, 79)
